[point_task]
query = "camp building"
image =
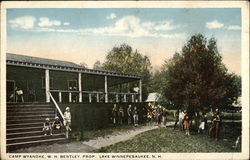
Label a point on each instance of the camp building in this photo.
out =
(40, 78)
(39, 88)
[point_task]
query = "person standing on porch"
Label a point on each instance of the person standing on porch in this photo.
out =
(19, 95)
(67, 121)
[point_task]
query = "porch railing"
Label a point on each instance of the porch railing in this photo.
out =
(119, 96)
(57, 109)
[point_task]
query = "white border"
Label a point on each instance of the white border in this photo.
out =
(244, 5)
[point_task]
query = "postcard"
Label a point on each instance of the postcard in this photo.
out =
(125, 80)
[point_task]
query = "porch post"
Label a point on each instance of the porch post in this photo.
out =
(97, 98)
(106, 89)
(117, 99)
(90, 98)
(140, 89)
(70, 97)
(133, 98)
(80, 86)
(60, 97)
(47, 85)
(125, 98)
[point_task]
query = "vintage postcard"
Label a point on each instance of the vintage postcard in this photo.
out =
(125, 80)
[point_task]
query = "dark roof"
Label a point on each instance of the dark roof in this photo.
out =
(35, 62)
(29, 59)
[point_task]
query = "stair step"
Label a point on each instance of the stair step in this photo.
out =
(29, 109)
(37, 120)
(30, 113)
(9, 126)
(24, 103)
(42, 116)
(19, 130)
(28, 106)
(36, 141)
(33, 138)
(26, 134)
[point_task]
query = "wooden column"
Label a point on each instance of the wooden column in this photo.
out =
(140, 89)
(90, 98)
(117, 98)
(97, 98)
(80, 86)
(125, 98)
(60, 97)
(47, 85)
(106, 89)
(70, 97)
(133, 98)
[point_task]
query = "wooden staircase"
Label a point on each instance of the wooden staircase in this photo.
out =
(25, 124)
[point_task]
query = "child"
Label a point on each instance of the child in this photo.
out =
(187, 123)
(57, 124)
(47, 127)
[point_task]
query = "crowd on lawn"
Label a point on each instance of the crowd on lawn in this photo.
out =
(157, 115)
(199, 121)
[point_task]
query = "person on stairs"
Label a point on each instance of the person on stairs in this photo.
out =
(47, 127)
(57, 125)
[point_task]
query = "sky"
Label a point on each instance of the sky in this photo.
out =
(88, 34)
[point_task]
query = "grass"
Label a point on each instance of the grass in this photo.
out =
(169, 140)
(87, 135)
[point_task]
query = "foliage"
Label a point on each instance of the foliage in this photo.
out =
(123, 59)
(97, 65)
(168, 140)
(197, 79)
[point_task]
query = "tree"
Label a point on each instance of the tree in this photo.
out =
(97, 65)
(123, 59)
(197, 79)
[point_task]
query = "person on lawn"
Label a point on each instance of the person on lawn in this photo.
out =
(135, 116)
(130, 114)
(181, 117)
(67, 121)
(120, 115)
(215, 129)
(115, 114)
(203, 121)
(187, 123)
(57, 125)
(176, 115)
(47, 127)
(164, 117)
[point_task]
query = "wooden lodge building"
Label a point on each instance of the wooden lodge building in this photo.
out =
(48, 86)
(40, 78)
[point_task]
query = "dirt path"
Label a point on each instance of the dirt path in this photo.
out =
(87, 146)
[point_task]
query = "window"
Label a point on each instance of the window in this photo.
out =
(51, 83)
(72, 84)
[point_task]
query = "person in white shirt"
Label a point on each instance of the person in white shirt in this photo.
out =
(181, 117)
(67, 121)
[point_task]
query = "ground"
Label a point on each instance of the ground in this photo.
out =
(138, 139)
(170, 141)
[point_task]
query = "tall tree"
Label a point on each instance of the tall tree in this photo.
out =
(197, 79)
(123, 59)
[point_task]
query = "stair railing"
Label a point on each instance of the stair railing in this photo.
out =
(56, 105)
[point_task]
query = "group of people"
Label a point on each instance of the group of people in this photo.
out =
(200, 125)
(118, 115)
(50, 128)
(156, 114)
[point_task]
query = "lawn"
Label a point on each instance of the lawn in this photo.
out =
(87, 135)
(169, 140)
